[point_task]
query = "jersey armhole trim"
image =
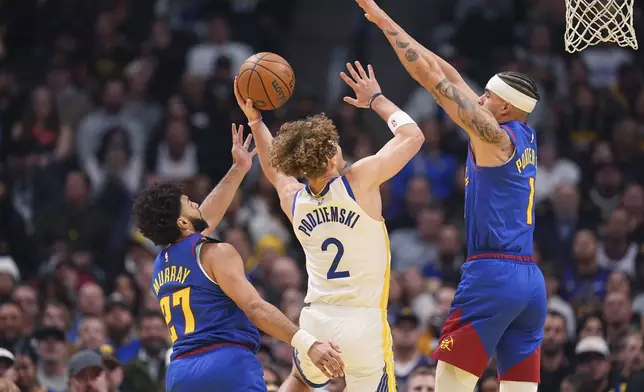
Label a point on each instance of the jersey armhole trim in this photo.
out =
(510, 134)
(198, 253)
(294, 200)
(345, 181)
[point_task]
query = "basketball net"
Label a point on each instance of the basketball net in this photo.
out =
(590, 22)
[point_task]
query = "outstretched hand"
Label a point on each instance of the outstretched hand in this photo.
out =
(363, 84)
(242, 157)
(246, 105)
(373, 12)
(326, 356)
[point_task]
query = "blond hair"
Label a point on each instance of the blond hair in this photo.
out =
(302, 148)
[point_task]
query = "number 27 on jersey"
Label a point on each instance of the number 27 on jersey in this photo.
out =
(178, 299)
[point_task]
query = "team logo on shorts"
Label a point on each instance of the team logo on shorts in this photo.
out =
(446, 344)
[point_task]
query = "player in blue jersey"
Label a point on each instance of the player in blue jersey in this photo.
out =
(500, 304)
(209, 305)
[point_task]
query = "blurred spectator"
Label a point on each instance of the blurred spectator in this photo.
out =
(603, 62)
(53, 355)
(616, 251)
(42, 130)
(27, 298)
(11, 327)
(9, 277)
(7, 360)
(413, 247)
(121, 330)
(405, 334)
(147, 370)
(87, 372)
(422, 379)
(584, 284)
(553, 171)
(201, 58)
(437, 166)
(554, 363)
(592, 357)
(27, 378)
(110, 115)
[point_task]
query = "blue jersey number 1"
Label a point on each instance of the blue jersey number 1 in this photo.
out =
(333, 272)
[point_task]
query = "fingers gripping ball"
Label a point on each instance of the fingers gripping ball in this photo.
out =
(267, 79)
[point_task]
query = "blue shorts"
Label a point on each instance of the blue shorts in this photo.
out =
(499, 309)
(230, 368)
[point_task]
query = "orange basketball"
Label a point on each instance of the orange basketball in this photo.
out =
(267, 79)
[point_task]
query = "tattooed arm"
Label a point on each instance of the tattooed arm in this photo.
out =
(400, 40)
(439, 78)
(403, 43)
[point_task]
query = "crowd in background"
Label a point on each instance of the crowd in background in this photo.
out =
(99, 99)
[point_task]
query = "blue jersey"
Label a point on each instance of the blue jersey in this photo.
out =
(199, 314)
(499, 201)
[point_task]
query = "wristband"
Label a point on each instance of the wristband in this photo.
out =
(376, 95)
(303, 341)
(398, 119)
(255, 121)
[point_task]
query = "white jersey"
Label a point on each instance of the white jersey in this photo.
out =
(347, 251)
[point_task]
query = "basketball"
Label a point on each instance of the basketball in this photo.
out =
(267, 79)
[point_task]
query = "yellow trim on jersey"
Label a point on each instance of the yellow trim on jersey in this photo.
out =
(388, 353)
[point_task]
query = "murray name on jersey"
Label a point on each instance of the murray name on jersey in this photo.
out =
(328, 214)
(170, 273)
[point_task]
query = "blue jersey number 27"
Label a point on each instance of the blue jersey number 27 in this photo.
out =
(333, 272)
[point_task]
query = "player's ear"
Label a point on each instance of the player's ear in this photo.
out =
(506, 108)
(333, 162)
(182, 223)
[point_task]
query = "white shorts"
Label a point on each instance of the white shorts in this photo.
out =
(364, 337)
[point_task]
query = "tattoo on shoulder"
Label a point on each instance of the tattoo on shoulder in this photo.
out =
(393, 33)
(473, 116)
(402, 44)
(411, 55)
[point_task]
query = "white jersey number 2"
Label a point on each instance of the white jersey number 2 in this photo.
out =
(333, 272)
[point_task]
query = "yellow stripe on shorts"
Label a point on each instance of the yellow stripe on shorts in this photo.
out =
(388, 353)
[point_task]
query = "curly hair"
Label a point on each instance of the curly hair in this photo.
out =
(302, 148)
(156, 211)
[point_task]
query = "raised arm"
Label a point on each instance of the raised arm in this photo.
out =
(452, 94)
(286, 186)
(217, 202)
(372, 171)
(400, 40)
(225, 267)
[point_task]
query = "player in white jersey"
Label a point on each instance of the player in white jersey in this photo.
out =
(338, 220)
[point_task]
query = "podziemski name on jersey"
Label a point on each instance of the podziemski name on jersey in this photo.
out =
(327, 214)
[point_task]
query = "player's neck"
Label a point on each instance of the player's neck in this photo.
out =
(317, 184)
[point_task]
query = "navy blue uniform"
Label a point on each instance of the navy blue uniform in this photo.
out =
(214, 343)
(500, 304)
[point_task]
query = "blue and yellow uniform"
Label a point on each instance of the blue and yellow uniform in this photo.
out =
(214, 343)
(500, 304)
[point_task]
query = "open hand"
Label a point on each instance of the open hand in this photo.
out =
(246, 106)
(326, 356)
(363, 84)
(373, 12)
(242, 157)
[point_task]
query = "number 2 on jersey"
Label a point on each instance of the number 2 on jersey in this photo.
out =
(530, 202)
(180, 297)
(333, 272)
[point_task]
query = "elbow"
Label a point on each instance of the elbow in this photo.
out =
(419, 140)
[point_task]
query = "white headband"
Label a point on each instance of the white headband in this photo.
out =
(511, 95)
